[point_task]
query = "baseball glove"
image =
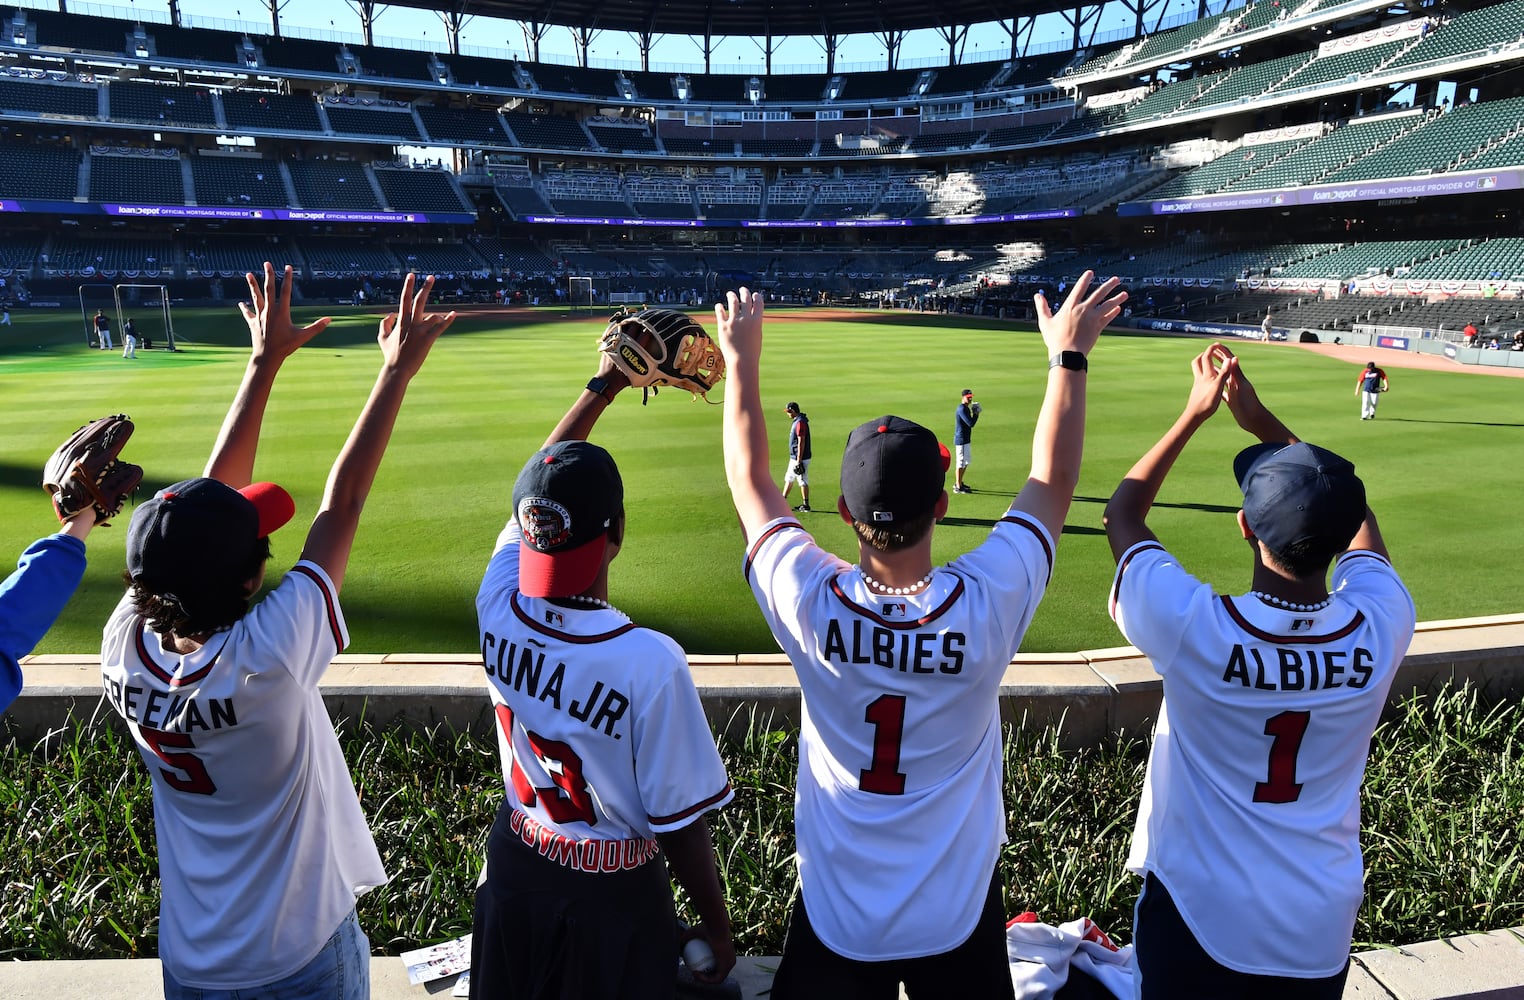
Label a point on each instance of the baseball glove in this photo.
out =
(85, 472)
(656, 347)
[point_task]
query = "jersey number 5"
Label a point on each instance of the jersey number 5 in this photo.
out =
(1281, 785)
(195, 779)
(887, 714)
(577, 804)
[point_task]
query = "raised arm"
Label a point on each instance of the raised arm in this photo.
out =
(1059, 439)
(738, 324)
(274, 339)
(1127, 512)
(405, 337)
(590, 403)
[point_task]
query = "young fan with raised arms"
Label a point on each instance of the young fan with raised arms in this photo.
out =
(263, 848)
(1248, 833)
(899, 812)
(608, 761)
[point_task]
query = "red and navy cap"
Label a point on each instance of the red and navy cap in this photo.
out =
(891, 472)
(200, 535)
(565, 500)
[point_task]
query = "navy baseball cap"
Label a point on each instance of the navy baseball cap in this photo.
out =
(565, 500)
(1299, 492)
(891, 472)
(968, 392)
(200, 535)
(792, 407)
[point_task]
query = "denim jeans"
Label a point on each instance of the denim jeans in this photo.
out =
(341, 971)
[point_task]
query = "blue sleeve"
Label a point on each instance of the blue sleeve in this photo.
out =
(31, 599)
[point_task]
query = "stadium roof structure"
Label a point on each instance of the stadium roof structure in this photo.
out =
(757, 18)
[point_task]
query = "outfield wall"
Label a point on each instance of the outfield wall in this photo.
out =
(1092, 694)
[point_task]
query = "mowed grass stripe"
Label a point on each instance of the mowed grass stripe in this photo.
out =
(1436, 462)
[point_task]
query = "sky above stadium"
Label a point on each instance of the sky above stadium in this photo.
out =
(405, 27)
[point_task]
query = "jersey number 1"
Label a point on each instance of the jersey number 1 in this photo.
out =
(577, 805)
(1281, 785)
(887, 714)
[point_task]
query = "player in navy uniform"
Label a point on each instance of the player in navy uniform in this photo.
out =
(799, 453)
(899, 815)
(1369, 387)
(608, 760)
(1248, 833)
(964, 419)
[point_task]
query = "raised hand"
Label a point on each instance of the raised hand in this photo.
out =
(268, 313)
(1246, 406)
(1210, 371)
(738, 324)
(406, 335)
(1079, 321)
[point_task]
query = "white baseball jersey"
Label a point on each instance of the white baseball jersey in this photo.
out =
(1251, 804)
(601, 731)
(899, 811)
(263, 847)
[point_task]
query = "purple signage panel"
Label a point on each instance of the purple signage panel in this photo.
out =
(1435, 185)
(189, 211)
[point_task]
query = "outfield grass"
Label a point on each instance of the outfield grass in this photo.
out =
(1438, 463)
(1442, 796)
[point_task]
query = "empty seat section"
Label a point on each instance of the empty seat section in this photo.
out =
(238, 180)
(421, 191)
(623, 138)
(46, 172)
(332, 184)
(334, 257)
(265, 110)
(136, 180)
(546, 131)
(49, 98)
(160, 104)
(476, 127)
(387, 124)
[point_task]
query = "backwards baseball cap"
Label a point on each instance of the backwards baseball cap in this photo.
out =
(1299, 492)
(891, 472)
(565, 500)
(199, 535)
(968, 392)
(792, 407)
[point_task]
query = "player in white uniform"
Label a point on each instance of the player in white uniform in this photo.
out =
(1248, 834)
(608, 761)
(262, 845)
(899, 813)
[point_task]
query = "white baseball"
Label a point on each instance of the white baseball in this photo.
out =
(978, 407)
(698, 956)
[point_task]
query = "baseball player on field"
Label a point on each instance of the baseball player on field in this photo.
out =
(262, 845)
(608, 761)
(1369, 387)
(799, 452)
(1248, 834)
(964, 419)
(899, 815)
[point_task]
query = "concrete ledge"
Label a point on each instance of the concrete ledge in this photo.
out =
(1092, 693)
(1473, 967)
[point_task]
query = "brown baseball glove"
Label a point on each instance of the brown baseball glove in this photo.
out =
(656, 347)
(85, 472)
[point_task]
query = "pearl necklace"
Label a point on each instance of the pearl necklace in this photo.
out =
(884, 588)
(596, 602)
(1276, 602)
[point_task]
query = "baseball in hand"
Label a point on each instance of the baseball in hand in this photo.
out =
(698, 956)
(978, 407)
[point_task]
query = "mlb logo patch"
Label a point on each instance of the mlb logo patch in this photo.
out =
(896, 610)
(1298, 624)
(554, 618)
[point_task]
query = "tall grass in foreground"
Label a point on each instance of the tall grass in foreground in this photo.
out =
(1443, 797)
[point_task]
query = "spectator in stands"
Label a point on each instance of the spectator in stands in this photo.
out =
(1470, 331)
(129, 339)
(102, 330)
(1518, 336)
(1493, 345)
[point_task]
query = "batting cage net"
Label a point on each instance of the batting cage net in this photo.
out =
(579, 293)
(146, 305)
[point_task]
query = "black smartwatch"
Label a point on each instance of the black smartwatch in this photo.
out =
(601, 387)
(1072, 360)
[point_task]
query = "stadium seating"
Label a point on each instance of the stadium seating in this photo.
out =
(385, 123)
(137, 180)
(392, 64)
(561, 79)
(1019, 135)
(232, 256)
(332, 257)
(475, 71)
(1496, 259)
(944, 141)
(1337, 66)
(76, 99)
(963, 78)
(300, 54)
(1361, 259)
(145, 256)
(440, 259)
(19, 251)
(779, 148)
(1222, 172)
(332, 184)
(524, 201)
(268, 110)
(465, 126)
(546, 131)
(238, 180)
(1440, 143)
(1250, 81)
(36, 171)
(718, 146)
(1466, 33)
(517, 255)
(1312, 162)
(74, 33)
(623, 138)
(420, 191)
(160, 104)
(795, 87)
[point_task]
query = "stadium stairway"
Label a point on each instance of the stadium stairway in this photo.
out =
(1473, 967)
